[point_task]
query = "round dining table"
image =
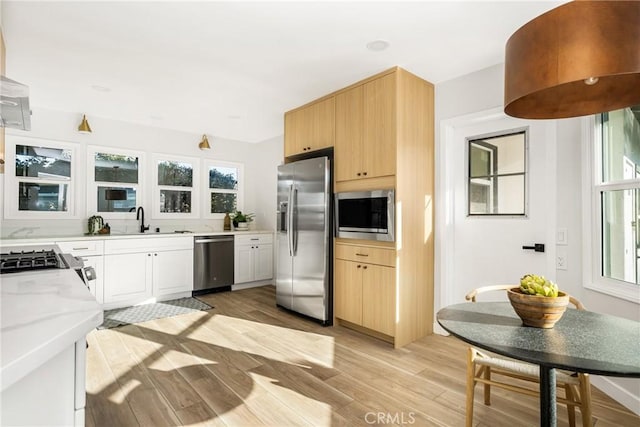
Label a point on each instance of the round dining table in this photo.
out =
(581, 341)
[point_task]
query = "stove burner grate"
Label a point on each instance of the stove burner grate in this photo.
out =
(28, 260)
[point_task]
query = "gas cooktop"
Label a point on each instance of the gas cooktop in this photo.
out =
(28, 260)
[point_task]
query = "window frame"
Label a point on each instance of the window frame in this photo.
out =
(206, 191)
(12, 182)
(194, 189)
(593, 187)
(506, 132)
(92, 184)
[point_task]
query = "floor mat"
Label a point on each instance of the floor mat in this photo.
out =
(145, 312)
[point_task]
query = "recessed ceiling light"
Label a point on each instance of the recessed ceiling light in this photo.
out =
(378, 45)
(100, 88)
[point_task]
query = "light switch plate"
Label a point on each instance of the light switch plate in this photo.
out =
(561, 236)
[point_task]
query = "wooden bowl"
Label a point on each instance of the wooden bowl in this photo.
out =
(538, 311)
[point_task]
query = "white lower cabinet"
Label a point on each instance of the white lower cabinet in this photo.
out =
(52, 394)
(253, 258)
(172, 272)
(128, 277)
(136, 270)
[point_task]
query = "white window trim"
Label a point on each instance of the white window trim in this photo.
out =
(92, 184)
(591, 208)
(525, 215)
(11, 204)
(206, 191)
(195, 188)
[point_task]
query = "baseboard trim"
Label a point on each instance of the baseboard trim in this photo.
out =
(617, 393)
(437, 329)
(251, 285)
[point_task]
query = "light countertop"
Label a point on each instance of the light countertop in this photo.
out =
(43, 313)
(6, 241)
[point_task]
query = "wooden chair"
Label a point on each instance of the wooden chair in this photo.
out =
(482, 366)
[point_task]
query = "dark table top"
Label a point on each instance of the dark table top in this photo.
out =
(581, 341)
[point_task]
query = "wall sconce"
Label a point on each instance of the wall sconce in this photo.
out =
(578, 59)
(204, 144)
(84, 125)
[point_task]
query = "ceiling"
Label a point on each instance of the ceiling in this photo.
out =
(231, 69)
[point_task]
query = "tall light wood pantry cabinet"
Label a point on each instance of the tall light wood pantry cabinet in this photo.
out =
(383, 132)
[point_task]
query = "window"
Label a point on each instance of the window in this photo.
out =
(39, 178)
(224, 188)
(615, 203)
(497, 173)
(114, 188)
(175, 192)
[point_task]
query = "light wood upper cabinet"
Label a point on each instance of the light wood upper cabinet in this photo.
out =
(379, 156)
(349, 134)
(366, 130)
(310, 128)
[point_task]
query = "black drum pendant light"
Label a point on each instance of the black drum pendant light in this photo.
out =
(578, 59)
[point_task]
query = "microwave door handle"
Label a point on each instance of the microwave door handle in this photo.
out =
(290, 221)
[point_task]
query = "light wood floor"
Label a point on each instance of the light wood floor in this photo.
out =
(248, 363)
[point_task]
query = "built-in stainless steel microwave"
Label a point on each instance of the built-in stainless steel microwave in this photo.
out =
(365, 215)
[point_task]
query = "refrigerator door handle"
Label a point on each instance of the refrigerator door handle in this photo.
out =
(294, 222)
(290, 221)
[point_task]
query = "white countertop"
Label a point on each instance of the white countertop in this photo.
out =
(6, 241)
(43, 312)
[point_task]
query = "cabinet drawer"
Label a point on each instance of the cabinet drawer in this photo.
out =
(252, 239)
(147, 244)
(82, 247)
(368, 254)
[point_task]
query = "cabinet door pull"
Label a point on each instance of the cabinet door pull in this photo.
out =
(357, 254)
(359, 266)
(364, 267)
(80, 249)
(256, 239)
(358, 174)
(364, 173)
(148, 254)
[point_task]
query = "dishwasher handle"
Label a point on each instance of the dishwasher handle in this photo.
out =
(223, 239)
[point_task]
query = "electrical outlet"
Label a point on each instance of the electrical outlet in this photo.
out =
(561, 259)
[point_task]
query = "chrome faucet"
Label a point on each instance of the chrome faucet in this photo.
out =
(142, 227)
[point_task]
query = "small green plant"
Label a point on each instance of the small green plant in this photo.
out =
(533, 284)
(238, 216)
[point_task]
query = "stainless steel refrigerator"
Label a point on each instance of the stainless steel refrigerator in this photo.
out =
(304, 239)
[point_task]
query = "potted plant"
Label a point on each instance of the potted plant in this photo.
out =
(537, 301)
(241, 220)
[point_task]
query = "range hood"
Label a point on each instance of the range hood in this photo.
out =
(14, 105)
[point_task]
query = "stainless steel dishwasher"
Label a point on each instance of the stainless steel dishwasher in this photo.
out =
(212, 264)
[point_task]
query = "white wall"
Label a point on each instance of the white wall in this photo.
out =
(479, 91)
(482, 91)
(260, 165)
